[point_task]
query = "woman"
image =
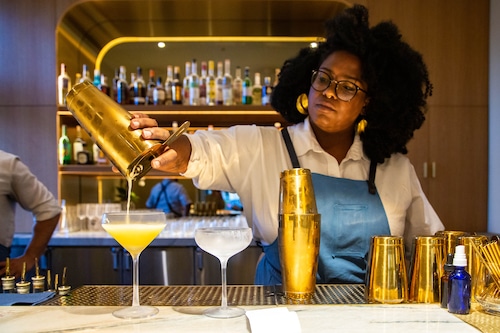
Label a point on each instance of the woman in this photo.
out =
(355, 102)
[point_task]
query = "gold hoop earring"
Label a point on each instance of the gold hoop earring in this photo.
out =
(302, 104)
(361, 126)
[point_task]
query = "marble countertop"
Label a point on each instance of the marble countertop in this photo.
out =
(407, 318)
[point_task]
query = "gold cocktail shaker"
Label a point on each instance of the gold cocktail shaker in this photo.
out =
(475, 267)
(451, 239)
(107, 123)
(298, 234)
(427, 266)
(386, 276)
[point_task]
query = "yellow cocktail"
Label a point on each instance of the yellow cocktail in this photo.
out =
(134, 237)
(134, 230)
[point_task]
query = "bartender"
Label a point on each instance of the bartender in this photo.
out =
(354, 101)
(19, 186)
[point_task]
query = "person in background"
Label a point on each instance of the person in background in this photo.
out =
(19, 186)
(171, 197)
(354, 101)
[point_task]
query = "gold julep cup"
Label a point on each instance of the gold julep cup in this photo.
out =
(107, 123)
(427, 266)
(475, 267)
(386, 276)
(451, 239)
(298, 235)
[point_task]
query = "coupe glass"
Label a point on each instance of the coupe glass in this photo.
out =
(223, 243)
(134, 231)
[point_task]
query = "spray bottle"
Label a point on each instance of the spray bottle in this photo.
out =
(459, 284)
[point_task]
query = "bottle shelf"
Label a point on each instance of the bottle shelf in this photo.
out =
(199, 116)
(93, 170)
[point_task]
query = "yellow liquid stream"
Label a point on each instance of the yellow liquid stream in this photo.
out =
(134, 237)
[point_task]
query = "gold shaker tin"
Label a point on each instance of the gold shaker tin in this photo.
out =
(475, 267)
(386, 276)
(298, 235)
(107, 123)
(427, 268)
(451, 239)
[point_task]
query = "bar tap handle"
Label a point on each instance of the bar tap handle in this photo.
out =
(126, 260)
(115, 252)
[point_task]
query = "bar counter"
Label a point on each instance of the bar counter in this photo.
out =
(89, 308)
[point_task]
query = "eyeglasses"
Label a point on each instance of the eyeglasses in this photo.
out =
(344, 90)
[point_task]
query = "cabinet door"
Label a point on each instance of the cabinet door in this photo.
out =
(459, 149)
(450, 155)
(84, 265)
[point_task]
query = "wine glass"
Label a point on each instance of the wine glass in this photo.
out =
(134, 231)
(223, 243)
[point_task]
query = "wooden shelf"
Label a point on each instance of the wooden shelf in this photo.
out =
(199, 116)
(105, 171)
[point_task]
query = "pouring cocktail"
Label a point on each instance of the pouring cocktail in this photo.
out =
(134, 231)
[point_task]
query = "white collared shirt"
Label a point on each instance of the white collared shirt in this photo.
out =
(248, 160)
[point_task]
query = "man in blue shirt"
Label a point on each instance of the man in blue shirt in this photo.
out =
(171, 197)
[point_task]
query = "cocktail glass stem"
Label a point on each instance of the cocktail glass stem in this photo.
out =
(223, 270)
(135, 280)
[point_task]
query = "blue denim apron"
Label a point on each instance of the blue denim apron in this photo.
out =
(350, 215)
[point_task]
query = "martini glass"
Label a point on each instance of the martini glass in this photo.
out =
(134, 231)
(223, 243)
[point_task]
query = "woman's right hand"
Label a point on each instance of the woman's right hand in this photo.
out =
(174, 158)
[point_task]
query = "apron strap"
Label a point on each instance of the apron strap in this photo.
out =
(290, 148)
(372, 189)
(371, 178)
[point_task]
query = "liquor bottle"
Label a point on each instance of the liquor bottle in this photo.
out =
(63, 85)
(78, 77)
(98, 156)
(139, 88)
(266, 91)
(115, 84)
(122, 87)
(97, 78)
(194, 85)
(185, 83)
(448, 269)
(257, 91)
(276, 77)
(169, 81)
(211, 85)
(246, 93)
(131, 94)
(203, 83)
(83, 156)
(219, 84)
(158, 93)
(104, 87)
(78, 143)
(177, 86)
(227, 84)
(85, 74)
(64, 147)
(237, 86)
(459, 284)
(150, 87)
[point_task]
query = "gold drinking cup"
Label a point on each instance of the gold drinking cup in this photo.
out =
(298, 235)
(107, 123)
(386, 277)
(427, 268)
(475, 267)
